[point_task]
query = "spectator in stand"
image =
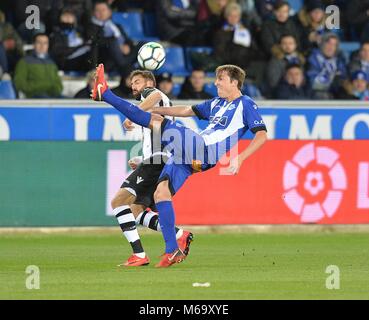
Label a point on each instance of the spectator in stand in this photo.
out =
(312, 23)
(360, 61)
(293, 85)
(21, 16)
(67, 46)
(272, 30)
(124, 5)
(233, 43)
(326, 69)
(357, 14)
(11, 43)
(36, 75)
(177, 22)
(283, 55)
(165, 84)
(265, 9)
(3, 59)
(81, 8)
(85, 93)
(210, 17)
(250, 16)
(110, 45)
(357, 89)
(193, 87)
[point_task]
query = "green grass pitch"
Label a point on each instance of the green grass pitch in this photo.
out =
(237, 265)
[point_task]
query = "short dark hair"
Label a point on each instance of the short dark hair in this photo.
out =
(101, 2)
(280, 4)
(287, 35)
(197, 70)
(147, 75)
(294, 65)
(234, 72)
(40, 34)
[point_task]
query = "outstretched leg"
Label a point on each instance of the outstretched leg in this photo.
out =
(101, 92)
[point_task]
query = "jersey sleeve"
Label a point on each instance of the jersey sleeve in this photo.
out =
(252, 117)
(147, 91)
(202, 110)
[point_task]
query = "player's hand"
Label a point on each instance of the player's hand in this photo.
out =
(235, 165)
(128, 125)
(134, 162)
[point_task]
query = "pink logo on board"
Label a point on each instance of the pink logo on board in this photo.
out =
(314, 182)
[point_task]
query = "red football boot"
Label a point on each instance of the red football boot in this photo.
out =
(100, 85)
(184, 242)
(135, 261)
(168, 259)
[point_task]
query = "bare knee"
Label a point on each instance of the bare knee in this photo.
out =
(162, 192)
(122, 198)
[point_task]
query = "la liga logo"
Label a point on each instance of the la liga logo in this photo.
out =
(314, 182)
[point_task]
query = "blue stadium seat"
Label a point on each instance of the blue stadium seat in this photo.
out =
(149, 25)
(132, 24)
(190, 50)
(7, 90)
(296, 5)
(348, 48)
(176, 89)
(174, 62)
(211, 89)
(251, 90)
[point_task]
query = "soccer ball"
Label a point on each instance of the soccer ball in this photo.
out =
(151, 56)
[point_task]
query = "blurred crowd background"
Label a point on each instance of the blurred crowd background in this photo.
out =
(287, 48)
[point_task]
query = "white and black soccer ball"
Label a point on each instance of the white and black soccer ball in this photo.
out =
(151, 56)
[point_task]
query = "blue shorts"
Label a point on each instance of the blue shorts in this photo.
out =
(176, 174)
(189, 154)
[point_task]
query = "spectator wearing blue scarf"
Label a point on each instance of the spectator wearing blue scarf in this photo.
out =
(327, 69)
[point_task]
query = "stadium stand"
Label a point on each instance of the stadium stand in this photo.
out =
(348, 48)
(175, 62)
(189, 51)
(132, 23)
(211, 89)
(296, 5)
(149, 25)
(139, 21)
(176, 89)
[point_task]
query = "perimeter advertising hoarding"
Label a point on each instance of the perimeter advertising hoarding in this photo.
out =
(72, 183)
(78, 123)
(285, 182)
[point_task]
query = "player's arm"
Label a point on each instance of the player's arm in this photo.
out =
(259, 139)
(255, 123)
(152, 98)
(175, 111)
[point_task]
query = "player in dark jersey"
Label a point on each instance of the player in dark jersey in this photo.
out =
(136, 193)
